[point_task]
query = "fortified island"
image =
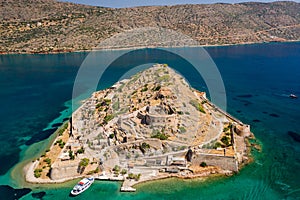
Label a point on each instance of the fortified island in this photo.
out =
(151, 126)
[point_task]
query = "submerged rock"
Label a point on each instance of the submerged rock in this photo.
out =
(9, 193)
(294, 135)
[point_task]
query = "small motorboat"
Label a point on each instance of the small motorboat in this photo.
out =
(293, 96)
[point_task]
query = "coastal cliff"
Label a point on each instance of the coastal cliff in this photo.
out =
(153, 125)
(48, 26)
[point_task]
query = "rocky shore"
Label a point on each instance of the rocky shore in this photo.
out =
(148, 127)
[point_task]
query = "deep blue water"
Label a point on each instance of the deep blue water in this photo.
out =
(35, 90)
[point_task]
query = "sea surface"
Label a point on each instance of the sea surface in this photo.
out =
(35, 98)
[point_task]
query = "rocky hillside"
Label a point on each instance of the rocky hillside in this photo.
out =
(50, 26)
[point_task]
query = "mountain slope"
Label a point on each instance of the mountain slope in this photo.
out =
(48, 25)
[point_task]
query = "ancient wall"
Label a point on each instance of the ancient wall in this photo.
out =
(66, 171)
(225, 162)
(162, 120)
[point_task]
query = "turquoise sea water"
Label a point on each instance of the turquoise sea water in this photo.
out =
(36, 91)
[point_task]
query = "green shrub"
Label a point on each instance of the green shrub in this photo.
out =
(37, 173)
(203, 164)
(197, 105)
(111, 136)
(107, 118)
(157, 88)
(93, 171)
(164, 78)
(71, 155)
(84, 162)
(182, 129)
(144, 89)
(81, 150)
(63, 128)
(226, 129)
(217, 145)
(107, 101)
(48, 161)
(160, 136)
(179, 112)
(123, 172)
(116, 168)
(61, 145)
(134, 176)
(144, 146)
(225, 140)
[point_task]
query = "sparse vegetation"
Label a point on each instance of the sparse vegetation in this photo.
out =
(203, 164)
(179, 112)
(63, 128)
(182, 129)
(111, 136)
(108, 117)
(225, 140)
(95, 171)
(197, 105)
(217, 145)
(71, 155)
(107, 101)
(98, 105)
(58, 19)
(84, 162)
(144, 89)
(80, 151)
(60, 143)
(134, 176)
(123, 172)
(164, 78)
(48, 161)
(144, 146)
(116, 170)
(157, 88)
(37, 173)
(157, 134)
(226, 129)
(116, 105)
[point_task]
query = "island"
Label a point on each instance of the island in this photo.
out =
(151, 126)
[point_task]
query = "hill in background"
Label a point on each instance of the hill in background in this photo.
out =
(42, 26)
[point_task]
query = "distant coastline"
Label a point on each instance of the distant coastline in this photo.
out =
(53, 27)
(141, 47)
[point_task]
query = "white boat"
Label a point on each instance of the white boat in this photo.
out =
(293, 96)
(82, 185)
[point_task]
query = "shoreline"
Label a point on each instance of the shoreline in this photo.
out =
(94, 49)
(188, 172)
(128, 185)
(28, 179)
